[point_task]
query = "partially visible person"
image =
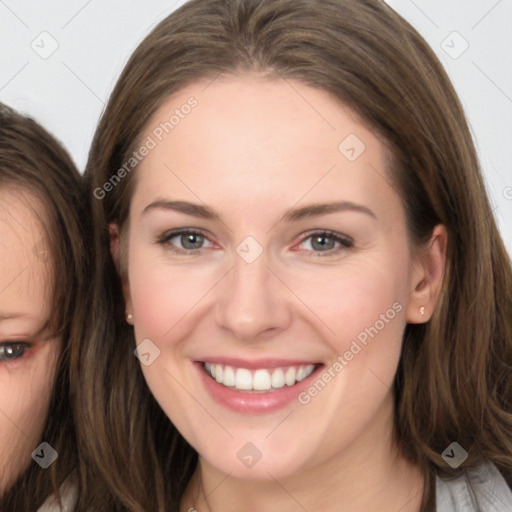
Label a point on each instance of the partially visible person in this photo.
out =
(43, 272)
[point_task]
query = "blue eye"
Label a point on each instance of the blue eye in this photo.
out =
(327, 242)
(188, 240)
(11, 350)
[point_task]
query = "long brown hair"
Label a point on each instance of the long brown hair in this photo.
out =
(33, 160)
(454, 381)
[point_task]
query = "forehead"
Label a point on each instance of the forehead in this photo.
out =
(258, 139)
(24, 259)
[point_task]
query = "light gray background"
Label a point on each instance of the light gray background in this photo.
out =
(60, 59)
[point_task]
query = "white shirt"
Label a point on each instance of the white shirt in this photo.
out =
(479, 490)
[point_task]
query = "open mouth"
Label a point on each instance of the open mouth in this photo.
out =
(261, 380)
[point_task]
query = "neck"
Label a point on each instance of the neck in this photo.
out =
(367, 476)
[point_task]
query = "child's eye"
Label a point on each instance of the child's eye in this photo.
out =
(327, 242)
(11, 350)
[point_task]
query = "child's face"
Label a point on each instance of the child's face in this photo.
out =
(27, 356)
(252, 289)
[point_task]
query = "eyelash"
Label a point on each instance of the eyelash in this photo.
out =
(344, 241)
(24, 346)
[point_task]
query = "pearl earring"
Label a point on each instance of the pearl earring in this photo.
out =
(422, 310)
(129, 317)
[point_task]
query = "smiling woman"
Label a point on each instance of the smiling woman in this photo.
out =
(42, 258)
(317, 226)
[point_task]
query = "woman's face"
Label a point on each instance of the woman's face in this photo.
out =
(265, 242)
(27, 356)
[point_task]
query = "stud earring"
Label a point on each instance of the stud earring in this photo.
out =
(422, 310)
(129, 317)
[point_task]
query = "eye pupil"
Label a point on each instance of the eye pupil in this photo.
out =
(192, 241)
(322, 242)
(10, 351)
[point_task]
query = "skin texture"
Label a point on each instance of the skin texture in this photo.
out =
(26, 382)
(251, 150)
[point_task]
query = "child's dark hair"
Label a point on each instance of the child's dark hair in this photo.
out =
(32, 160)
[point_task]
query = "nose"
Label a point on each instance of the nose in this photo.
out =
(253, 302)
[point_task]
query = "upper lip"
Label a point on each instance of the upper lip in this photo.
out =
(256, 363)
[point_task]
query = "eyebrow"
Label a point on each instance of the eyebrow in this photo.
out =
(291, 215)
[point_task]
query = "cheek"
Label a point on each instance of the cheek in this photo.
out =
(162, 294)
(26, 393)
(359, 300)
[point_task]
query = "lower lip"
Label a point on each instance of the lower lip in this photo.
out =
(256, 402)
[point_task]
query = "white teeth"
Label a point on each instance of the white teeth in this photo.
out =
(258, 380)
(229, 376)
(278, 378)
(304, 372)
(243, 379)
(218, 373)
(210, 368)
(261, 380)
(289, 376)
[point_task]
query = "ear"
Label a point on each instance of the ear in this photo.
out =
(115, 251)
(427, 277)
